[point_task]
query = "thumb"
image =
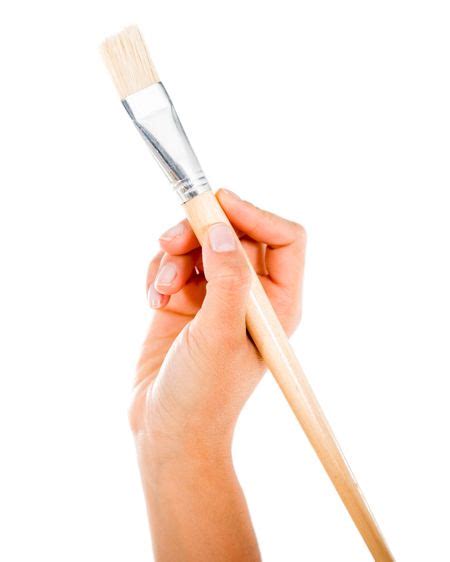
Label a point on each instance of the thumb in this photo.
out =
(228, 283)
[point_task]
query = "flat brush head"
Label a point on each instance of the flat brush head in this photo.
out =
(128, 62)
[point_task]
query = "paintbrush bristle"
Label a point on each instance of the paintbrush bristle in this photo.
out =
(128, 61)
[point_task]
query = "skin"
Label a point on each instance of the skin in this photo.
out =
(198, 368)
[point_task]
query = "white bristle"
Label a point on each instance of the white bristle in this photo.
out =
(128, 61)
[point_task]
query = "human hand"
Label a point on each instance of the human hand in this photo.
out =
(198, 364)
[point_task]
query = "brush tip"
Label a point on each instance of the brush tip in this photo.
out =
(127, 59)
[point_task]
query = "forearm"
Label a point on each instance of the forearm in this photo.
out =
(197, 511)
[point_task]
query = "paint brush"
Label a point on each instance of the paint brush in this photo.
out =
(151, 110)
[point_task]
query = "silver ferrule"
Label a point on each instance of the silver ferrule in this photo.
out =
(156, 119)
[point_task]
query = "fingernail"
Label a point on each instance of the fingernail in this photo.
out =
(155, 299)
(222, 238)
(230, 193)
(166, 275)
(173, 232)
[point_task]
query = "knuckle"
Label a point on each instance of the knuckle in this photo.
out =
(298, 238)
(300, 233)
(236, 276)
(289, 311)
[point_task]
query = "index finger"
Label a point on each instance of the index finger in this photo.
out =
(285, 240)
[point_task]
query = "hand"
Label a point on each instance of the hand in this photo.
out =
(197, 369)
(198, 365)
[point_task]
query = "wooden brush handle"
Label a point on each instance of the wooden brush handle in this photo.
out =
(272, 342)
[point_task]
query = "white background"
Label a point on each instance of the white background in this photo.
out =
(334, 114)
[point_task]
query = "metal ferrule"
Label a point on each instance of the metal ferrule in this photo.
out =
(156, 119)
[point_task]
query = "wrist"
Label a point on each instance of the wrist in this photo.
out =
(179, 464)
(189, 449)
